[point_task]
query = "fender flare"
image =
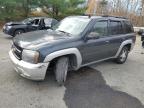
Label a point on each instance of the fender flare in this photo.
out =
(63, 52)
(122, 45)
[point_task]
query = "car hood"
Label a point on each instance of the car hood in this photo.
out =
(37, 39)
(14, 23)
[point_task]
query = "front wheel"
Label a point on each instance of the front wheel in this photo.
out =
(61, 69)
(18, 32)
(122, 56)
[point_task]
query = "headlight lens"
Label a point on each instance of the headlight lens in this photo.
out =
(9, 27)
(30, 56)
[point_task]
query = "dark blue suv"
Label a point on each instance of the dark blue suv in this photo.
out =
(74, 42)
(28, 25)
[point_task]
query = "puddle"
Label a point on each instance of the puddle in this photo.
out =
(87, 88)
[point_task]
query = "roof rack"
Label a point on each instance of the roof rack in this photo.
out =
(114, 16)
(91, 14)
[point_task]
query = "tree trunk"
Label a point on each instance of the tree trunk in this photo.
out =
(26, 7)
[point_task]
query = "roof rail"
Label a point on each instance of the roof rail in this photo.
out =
(114, 16)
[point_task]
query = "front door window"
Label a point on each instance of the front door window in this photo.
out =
(101, 28)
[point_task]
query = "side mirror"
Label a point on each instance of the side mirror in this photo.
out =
(93, 35)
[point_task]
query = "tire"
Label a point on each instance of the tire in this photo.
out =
(122, 56)
(61, 69)
(17, 32)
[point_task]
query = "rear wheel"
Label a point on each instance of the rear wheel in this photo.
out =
(61, 69)
(17, 32)
(122, 56)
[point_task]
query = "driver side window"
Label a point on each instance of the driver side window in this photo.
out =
(100, 28)
(35, 22)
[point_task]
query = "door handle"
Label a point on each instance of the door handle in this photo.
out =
(107, 41)
(123, 38)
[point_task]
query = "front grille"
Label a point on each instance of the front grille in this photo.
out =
(17, 51)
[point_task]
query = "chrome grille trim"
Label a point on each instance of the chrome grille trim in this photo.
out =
(17, 51)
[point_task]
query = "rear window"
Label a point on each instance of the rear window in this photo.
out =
(48, 22)
(128, 27)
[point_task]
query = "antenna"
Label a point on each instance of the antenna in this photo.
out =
(87, 14)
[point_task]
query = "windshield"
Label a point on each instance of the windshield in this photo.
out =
(73, 26)
(27, 20)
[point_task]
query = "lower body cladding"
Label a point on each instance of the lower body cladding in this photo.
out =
(28, 70)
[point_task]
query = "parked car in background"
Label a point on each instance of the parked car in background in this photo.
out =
(29, 24)
(75, 42)
(141, 31)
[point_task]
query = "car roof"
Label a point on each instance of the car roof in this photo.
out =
(101, 17)
(40, 17)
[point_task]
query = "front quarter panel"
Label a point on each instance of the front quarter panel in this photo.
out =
(66, 47)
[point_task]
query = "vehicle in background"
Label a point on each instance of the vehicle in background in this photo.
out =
(28, 25)
(75, 42)
(140, 32)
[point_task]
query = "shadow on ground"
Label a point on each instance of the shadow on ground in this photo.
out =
(8, 37)
(87, 88)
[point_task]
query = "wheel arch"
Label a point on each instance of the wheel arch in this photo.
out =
(129, 46)
(128, 43)
(73, 54)
(18, 29)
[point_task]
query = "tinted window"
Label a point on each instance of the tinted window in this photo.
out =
(128, 27)
(115, 28)
(35, 22)
(101, 28)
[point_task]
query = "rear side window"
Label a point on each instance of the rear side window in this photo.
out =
(115, 28)
(128, 27)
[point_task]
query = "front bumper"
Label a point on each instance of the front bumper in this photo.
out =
(8, 31)
(28, 70)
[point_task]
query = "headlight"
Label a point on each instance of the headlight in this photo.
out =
(8, 27)
(30, 56)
